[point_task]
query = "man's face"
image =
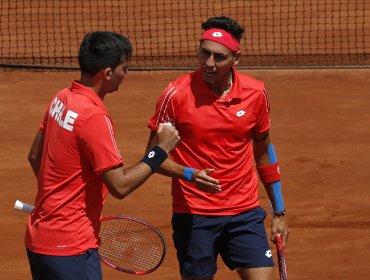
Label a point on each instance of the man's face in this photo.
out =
(118, 75)
(215, 61)
(113, 79)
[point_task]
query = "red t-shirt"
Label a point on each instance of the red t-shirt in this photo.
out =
(215, 133)
(79, 145)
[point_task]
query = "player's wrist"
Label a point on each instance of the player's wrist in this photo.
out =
(155, 157)
(164, 148)
(187, 174)
(279, 213)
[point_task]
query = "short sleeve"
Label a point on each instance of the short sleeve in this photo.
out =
(263, 122)
(164, 111)
(97, 140)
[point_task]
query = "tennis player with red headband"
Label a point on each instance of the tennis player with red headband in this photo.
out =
(223, 120)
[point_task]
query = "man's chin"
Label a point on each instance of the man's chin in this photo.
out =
(209, 78)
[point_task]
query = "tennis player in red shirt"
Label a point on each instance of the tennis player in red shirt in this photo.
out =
(76, 161)
(223, 119)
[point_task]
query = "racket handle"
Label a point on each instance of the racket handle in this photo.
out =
(24, 207)
(281, 258)
(279, 244)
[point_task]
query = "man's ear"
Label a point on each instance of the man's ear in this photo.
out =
(108, 73)
(237, 57)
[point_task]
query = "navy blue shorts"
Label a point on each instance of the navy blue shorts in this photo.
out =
(240, 240)
(86, 266)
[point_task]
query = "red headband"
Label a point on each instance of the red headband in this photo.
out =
(222, 37)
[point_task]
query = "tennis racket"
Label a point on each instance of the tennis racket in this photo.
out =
(128, 244)
(281, 258)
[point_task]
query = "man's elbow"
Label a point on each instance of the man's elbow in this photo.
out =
(35, 165)
(117, 194)
(31, 159)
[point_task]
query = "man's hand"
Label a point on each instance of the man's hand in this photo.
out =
(279, 226)
(204, 182)
(168, 137)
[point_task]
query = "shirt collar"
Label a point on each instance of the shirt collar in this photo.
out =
(81, 89)
(202, 87)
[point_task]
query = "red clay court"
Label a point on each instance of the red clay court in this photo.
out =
(320, 131)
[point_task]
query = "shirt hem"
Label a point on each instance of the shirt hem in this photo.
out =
(63, 252)
(214, 212)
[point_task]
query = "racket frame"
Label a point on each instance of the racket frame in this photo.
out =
(151, 227)
(28, 208)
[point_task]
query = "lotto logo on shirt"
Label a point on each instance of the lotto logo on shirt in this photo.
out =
(56, 111)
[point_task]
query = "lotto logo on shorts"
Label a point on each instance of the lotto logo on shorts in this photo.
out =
(268, 254)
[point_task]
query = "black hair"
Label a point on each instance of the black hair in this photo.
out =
(102, 49)
(226, 24)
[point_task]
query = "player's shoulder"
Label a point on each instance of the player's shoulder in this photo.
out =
(249, 82)
(85, 106)
(62, 92)
(182, 81)
(177, 87)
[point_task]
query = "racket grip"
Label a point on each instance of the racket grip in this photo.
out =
(279, 244)
(281, 258)
(24, 207)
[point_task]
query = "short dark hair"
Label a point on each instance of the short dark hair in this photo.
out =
(226, 24)
(102, 49)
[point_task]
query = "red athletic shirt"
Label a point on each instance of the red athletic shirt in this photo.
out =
(215, 133)
(79, 145)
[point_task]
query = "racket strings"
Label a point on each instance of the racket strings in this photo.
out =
(130, 245)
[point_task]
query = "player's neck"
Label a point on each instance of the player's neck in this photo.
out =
(225, 87)
(94, 83)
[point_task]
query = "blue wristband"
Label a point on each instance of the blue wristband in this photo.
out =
(188, 174)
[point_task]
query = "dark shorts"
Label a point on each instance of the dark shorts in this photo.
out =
(240, 240)
(86, 266)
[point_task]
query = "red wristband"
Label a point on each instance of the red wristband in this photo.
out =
(269, 173)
